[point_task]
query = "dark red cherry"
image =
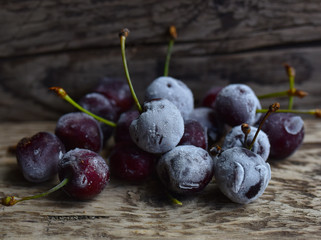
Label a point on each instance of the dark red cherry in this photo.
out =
(87, 172)
(38, 156)
(117, 92)
(79, 130)
(130, 163)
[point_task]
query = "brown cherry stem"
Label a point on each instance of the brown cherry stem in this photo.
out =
(12, 200)
(273, 108)
(63, 94)
(246, 129)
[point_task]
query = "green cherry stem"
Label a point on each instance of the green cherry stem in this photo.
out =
(291, 75)
(273, 108)
(62, 93)
(12, 200)
(123, 35)
(173, 35)
(315, 112)
(294, 92)
(174, 200)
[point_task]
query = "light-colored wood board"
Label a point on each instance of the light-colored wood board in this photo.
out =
(290, 208)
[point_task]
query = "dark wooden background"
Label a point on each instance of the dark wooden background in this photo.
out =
(73, 43)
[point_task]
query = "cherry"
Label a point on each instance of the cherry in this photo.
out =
(241, 174)
(100, 105)
(83, 174)
(87, 171)
(185, 169)
(122, 129)
(194, 134)
(210, 97)
(285, 132)
(160, 125)
(38, 156)
(236, 104)
(79, 130)
(159, 128)
(210, 122)
(237, 138)
(117, 92)
(130, 163)
(173, 90)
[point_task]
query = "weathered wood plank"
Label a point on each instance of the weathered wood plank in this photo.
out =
(25, 81)
(290, 206)
(29, 27)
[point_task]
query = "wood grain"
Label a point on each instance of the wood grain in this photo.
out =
(290, 208)
(74, 43)
(35, 26)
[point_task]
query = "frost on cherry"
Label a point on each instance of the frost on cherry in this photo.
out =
(241, 174)
(185, 169)
(159, 128)
(173, 90)
(235, 138)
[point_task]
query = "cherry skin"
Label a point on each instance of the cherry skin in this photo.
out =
(38, 156)
(235, 138)
(159, 127)
(123, 123)
(103, 107)
(241, 174)
(185, 169)
(236, 104)
(194, 134)
(210, 122)
(285, 132)
(210, 97)
(130, 163)
(173, 90)
(87, 172)
(117, 92)
(79, 130)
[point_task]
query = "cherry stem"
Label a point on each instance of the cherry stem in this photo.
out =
(315, 112)
(273, 108)
(12, 200)
(216, 150)
(294, 92)
(174, 200)
(123, 35)
(62, 93)
(173, 35)
(291, 75)
(246, 129)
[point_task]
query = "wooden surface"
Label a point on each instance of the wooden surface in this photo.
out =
(290, 208)
(73, 44)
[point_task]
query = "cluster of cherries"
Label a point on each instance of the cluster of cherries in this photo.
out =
(167, 136)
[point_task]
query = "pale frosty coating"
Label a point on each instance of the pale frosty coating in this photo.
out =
(173, 90)
(159, 128)
(241, 174)
(185, 169)
(235, 138)
(237, 104)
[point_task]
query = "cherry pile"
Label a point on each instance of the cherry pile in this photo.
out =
(167, 137)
